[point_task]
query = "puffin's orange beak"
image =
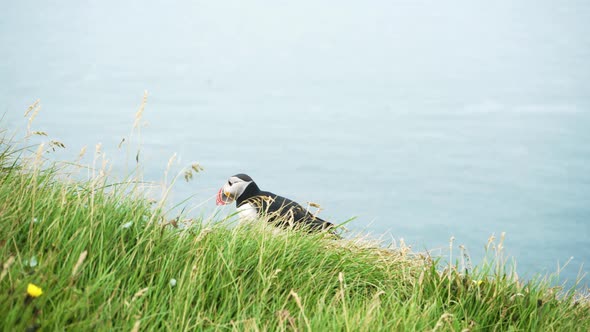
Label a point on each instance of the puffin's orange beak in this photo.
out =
(223, 198)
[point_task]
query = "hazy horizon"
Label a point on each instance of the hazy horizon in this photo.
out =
(426, 120)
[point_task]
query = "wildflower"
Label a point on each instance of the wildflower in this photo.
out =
(172, 282)
(33, 261)
(127, 224)
(34, 290)
(477, 282)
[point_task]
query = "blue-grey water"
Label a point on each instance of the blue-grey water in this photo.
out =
(424, 119)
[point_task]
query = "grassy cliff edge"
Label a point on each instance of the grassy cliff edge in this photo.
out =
(103, 258)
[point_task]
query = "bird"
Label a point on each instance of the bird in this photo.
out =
(253, 203)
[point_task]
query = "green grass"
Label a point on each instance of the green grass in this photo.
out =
(229, 278)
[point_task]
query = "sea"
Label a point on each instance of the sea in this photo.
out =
(433, 124)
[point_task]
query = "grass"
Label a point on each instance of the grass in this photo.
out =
(105, 259)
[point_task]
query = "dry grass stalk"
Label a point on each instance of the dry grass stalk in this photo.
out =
(136, 326)
(139, 293)
(300, 305)
(197, 167)
(39, 156)
(285, 315)
(189, 172)
(168, 166)
(56, 144)
(139, 113)
(445, 318)
(82, 152)
(79, 262)
(33, 106)
(6, 266)
(316, 206)
(188, 175)
(202, 234)
(33, 110)
(450, 267)
(98, 149)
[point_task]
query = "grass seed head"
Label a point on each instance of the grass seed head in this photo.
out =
(79, 262)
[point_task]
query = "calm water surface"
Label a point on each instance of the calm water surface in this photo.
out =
(424, 120)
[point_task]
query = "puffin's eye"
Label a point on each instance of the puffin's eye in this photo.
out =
(228, 182)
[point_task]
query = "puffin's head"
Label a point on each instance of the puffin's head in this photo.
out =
(233, 188)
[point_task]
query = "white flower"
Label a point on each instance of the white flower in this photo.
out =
(33, 261)
(127, 224)
(172, 282)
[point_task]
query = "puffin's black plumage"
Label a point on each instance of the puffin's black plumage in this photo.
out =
(279, 210)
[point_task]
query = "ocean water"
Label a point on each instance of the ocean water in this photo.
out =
(423, 120)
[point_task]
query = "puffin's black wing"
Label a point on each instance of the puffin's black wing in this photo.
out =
(286, 212)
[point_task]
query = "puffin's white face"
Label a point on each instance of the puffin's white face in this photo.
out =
(232, 189)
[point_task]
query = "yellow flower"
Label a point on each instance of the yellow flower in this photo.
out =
(34, 290)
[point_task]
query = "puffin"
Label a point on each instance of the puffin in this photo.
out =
(253, 203)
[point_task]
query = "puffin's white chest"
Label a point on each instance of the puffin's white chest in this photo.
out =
(247, 212)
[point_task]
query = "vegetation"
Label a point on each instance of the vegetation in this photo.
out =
(91, 255)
